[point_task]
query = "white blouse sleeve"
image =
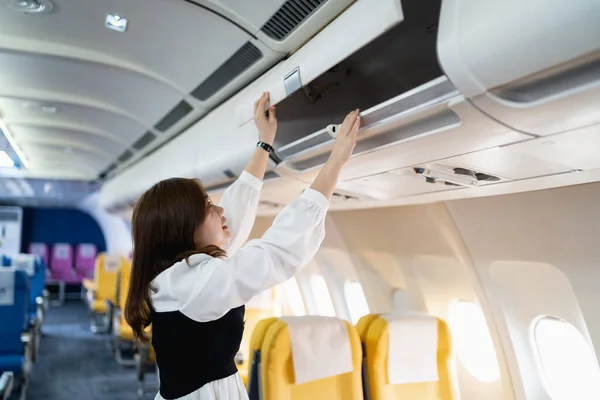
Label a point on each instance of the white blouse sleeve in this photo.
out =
(240, 202)
(208, 290)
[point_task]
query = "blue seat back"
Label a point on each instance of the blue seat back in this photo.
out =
(31, 265)
(14, 302)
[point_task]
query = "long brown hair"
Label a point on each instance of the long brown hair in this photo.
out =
(163, 225)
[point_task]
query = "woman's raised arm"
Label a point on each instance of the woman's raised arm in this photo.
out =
(240, 200)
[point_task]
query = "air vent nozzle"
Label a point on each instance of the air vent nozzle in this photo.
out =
(243, 59)
(289, 16)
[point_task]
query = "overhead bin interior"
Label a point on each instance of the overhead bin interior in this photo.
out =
(401, 59)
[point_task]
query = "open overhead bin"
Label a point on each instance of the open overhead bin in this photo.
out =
(533, 65)
(411, 112)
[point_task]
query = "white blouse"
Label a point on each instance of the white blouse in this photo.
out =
(209, 287)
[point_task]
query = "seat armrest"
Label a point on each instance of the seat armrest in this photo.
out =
(39, 302)
(46, 297)
(7, 380)
(26, 338)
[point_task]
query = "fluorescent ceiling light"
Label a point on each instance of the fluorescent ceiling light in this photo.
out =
(116, 23)
(13, 144)
(5, 160)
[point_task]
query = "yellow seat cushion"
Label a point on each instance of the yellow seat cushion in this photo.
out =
(376, 348)
(277, 370)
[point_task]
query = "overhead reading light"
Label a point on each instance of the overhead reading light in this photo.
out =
(432, 176)
(5, 160)
(116, 23)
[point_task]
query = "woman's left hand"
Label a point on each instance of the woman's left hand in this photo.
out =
(267, 126)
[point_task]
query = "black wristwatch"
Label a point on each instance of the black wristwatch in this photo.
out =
(267, 147)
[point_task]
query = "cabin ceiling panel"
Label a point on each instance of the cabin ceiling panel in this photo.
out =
(176, 40)
(137, 94)
(65, 139)
(114, 125)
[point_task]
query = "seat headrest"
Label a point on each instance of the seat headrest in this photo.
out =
(86, 250)
(111, 262)
(62, 251)
(320, 347)
(26, 263)
(412, 348)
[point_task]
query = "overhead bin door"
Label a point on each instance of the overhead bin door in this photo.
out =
(364, 21)
(533, 65)
(430, 122)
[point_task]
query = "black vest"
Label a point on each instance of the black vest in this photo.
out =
(191, 354)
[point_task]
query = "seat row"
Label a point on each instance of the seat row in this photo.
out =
(66, 265)
(106, 295)
(23, 304)
(384, 357)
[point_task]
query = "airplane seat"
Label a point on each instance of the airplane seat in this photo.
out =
(310, 357)
(61, 268)
(61, 260)
(14, 330)
(40, 250)
(102, 292)
(256, 340)
(363, 324)
(408, 356)
(362, 327)
(122, 332)
(36, 276)
(85, 257)
(42, 270)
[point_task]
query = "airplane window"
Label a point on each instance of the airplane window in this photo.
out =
(293, 297)
(567, 363)
(357, 303)
(322, 296)
(473, 343)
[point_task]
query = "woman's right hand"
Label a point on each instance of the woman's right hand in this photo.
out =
(346, 138)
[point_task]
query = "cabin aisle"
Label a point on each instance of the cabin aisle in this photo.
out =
(74, 363)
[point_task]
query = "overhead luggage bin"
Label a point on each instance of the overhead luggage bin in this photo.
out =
(411, 112)
(534, 65)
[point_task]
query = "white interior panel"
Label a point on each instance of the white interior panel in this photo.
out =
(392, 184)
(552, 82)
(542, 242)
(578, 149)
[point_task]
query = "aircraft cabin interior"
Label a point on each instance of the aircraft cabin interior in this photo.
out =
(461, 259)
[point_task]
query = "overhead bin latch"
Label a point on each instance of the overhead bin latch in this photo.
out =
(333, 130)
(292, 81)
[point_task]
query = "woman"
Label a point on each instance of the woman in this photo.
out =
(190, 281)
